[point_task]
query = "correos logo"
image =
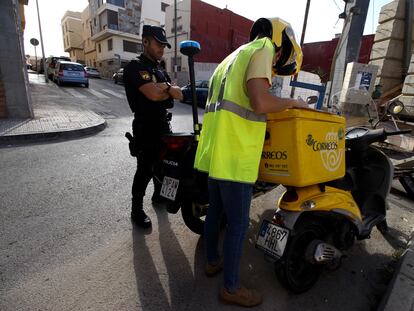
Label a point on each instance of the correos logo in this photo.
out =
(330, 154)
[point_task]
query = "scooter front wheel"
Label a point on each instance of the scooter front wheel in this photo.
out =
(294, 270)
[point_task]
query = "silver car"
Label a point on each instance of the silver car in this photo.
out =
(92, 72)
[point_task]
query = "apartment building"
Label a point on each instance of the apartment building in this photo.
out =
(219, 32)
(72, 32)
(116, 27)
(89, 47)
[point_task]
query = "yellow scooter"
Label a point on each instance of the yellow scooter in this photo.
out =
(339, 196)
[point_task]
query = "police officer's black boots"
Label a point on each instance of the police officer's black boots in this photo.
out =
(139, 217)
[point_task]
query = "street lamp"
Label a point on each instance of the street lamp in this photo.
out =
(41, 43)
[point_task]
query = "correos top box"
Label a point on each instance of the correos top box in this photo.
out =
(303, 147)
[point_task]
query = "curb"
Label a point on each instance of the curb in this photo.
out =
(51, 136)
(400, 292)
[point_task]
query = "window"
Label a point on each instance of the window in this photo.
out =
(94, 21)
(116, 2)
(71, 67)
(110, 45)
(112, 20)
(99, 48)
(164, 6)
(132, 47)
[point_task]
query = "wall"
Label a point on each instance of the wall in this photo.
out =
(183, 33)
(13, 73)
(388, 48)
(88, 44)
(219, 31)
(313, 62)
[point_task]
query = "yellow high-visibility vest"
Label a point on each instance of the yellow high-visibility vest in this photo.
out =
(232, 135)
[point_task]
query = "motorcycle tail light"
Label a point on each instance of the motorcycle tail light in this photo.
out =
(175, 143)
(290, 196)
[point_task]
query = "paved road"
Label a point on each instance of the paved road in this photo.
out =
(68, 244)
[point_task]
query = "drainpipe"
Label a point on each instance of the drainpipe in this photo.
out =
(408, 31)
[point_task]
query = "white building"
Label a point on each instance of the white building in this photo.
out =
(117, 28)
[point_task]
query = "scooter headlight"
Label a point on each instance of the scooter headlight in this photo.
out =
(308, 205)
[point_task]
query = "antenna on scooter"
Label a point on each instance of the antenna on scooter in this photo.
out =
(190, 48)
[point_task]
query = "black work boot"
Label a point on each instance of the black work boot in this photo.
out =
(139, 217)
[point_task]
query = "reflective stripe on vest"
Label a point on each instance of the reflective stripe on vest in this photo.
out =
(231, 106)
(236, 109)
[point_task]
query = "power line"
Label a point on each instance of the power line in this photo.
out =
(340, 10)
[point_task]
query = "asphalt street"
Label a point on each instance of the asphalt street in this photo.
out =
(68, 243)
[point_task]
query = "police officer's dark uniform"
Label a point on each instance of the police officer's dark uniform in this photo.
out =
(151, 120)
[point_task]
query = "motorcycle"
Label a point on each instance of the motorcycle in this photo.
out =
(183, 187)
(398, 150)
(315, 224)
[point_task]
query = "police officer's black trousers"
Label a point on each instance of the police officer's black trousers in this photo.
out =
(149, 145)
(145, 171)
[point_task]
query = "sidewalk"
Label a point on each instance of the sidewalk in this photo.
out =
(400, 294)
(55, 117)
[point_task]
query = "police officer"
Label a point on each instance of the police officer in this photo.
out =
(149, 94)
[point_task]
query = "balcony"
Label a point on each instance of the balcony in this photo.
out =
(112, 30)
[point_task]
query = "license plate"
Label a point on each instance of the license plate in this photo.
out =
(272, 239)
(169, 188)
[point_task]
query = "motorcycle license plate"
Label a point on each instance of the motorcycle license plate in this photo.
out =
(169, 188)
(272, 239)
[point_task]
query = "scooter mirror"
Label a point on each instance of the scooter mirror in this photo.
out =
(189, 47)
(311, 100)
(395, 107)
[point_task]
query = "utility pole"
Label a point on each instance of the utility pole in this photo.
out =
(175, 41)
(349, 44)
(41, 43)
(302, 40)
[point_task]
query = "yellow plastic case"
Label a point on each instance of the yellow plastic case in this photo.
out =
(303, 147)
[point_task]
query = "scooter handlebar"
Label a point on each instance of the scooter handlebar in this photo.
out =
(397, 132)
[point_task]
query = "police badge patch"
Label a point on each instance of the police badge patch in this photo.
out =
(145, 75)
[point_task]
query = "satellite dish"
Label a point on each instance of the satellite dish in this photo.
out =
(34, 41)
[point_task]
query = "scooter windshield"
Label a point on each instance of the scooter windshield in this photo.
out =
(361, 112)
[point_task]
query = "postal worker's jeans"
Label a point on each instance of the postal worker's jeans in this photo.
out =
(233, 200)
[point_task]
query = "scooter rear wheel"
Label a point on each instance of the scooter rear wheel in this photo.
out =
(293, 270)
(193, 217)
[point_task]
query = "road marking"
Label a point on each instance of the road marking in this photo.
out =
(75, 93)
(97, 94)
(113, 93)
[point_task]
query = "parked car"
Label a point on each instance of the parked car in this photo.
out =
(51, 64)
(92, 72)
(201, 93)
(119, 76)
(70, 72)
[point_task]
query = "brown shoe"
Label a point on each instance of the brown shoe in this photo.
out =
(243, 297)
(211, 270)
